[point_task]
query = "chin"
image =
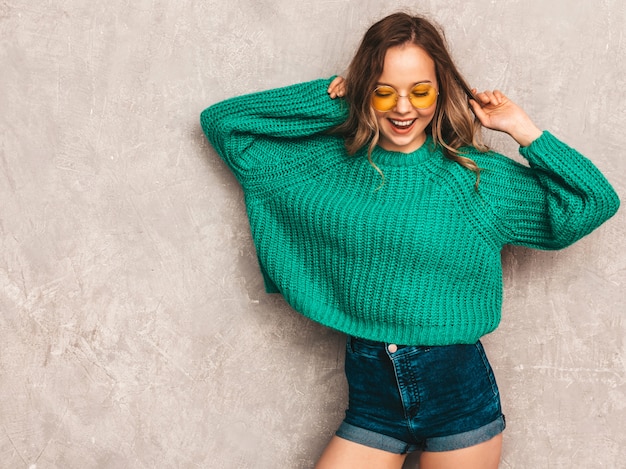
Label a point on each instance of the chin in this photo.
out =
(403, 145)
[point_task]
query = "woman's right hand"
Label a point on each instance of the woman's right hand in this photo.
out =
(337, 88)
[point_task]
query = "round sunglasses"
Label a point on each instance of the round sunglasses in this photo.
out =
(421, 96)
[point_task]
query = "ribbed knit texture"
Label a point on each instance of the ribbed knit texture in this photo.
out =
(414, 261)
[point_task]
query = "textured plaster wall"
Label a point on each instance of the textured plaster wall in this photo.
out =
(134, 329)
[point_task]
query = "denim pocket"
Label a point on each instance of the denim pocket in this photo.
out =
(365, 348)
(372, 384)
(488, 369)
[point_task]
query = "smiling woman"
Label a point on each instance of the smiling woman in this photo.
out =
(407, 69)
(409, 270)
(399, 48)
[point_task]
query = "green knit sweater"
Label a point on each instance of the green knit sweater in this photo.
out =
(414, 261)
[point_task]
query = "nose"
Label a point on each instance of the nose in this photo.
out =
(403, 104)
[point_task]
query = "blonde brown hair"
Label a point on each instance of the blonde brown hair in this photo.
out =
(453, 125)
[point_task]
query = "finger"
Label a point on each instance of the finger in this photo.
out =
(490, 97)
(336, 82)
(494, 97)
(479, 112)
(477, 109)
(499, 96)
(336, 87)
(483, 97)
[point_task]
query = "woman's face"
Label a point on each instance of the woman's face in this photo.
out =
(403, 127)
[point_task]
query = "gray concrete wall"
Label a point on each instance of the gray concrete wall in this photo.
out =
(134, 327)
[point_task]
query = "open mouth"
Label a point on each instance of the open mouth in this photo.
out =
(402, 125)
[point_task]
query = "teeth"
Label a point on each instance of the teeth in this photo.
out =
(402, 123)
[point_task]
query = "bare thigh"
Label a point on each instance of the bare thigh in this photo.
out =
(482, 456)
(345, 454)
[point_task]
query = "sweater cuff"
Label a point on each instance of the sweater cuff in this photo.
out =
(547, 151)
(546, 142)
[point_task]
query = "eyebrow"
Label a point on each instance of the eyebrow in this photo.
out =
(414, 84)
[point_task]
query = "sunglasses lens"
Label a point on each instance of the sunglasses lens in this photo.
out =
(423, 96)
(384, 98)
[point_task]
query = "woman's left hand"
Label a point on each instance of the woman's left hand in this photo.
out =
(337, 88)
(497, 112)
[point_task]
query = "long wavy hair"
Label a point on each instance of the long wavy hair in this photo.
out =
(453, 125)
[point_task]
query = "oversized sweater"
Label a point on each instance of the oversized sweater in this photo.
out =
(413, 259)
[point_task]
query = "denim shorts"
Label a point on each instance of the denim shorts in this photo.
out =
(417, 398)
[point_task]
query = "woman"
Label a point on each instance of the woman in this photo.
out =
(383, 216)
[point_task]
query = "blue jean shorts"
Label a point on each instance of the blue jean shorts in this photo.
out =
(417, 398)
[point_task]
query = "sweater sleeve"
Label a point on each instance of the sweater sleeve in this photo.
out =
(554, 202)
(284, 114)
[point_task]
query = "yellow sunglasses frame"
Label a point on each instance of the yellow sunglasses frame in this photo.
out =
(396, 96)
